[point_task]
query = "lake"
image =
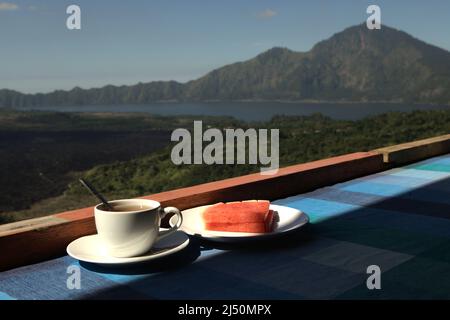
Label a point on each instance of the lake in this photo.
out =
(253, 111)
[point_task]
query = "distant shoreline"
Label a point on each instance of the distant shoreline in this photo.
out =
(339, 102)
(311, 102)
(248, 110)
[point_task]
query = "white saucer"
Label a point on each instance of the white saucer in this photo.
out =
(289, 219)
(90, 249)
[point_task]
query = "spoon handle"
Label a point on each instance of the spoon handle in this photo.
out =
(91, 189)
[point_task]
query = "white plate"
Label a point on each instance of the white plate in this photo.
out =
(90, 249)
(288, 220)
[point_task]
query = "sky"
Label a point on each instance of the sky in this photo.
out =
(126, 42)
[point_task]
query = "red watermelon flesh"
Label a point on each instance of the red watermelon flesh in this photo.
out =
(237, 212)
(251, 227)
(247, 216)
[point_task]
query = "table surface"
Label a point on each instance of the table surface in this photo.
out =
(398, 220)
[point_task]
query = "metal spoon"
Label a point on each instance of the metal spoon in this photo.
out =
(97, 194)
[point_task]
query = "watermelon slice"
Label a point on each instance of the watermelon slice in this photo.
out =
(246, 216)
(250, 227)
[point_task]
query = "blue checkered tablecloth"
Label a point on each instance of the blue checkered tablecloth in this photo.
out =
(398, 219)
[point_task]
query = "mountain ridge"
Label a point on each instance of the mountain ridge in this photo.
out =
(354, 65)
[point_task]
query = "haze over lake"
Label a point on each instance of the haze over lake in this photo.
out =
(252, 111)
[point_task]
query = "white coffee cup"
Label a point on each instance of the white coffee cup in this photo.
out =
(133, 227)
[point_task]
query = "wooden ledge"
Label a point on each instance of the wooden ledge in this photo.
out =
(45, 238)
(416, 150)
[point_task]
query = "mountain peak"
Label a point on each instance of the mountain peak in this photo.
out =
(278, 50)
(359, 38)
(275, 53)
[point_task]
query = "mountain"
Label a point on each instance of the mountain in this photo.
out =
(356, 64)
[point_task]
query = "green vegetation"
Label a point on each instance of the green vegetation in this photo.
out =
(356, 64)
(129, 164)
(41, 152)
